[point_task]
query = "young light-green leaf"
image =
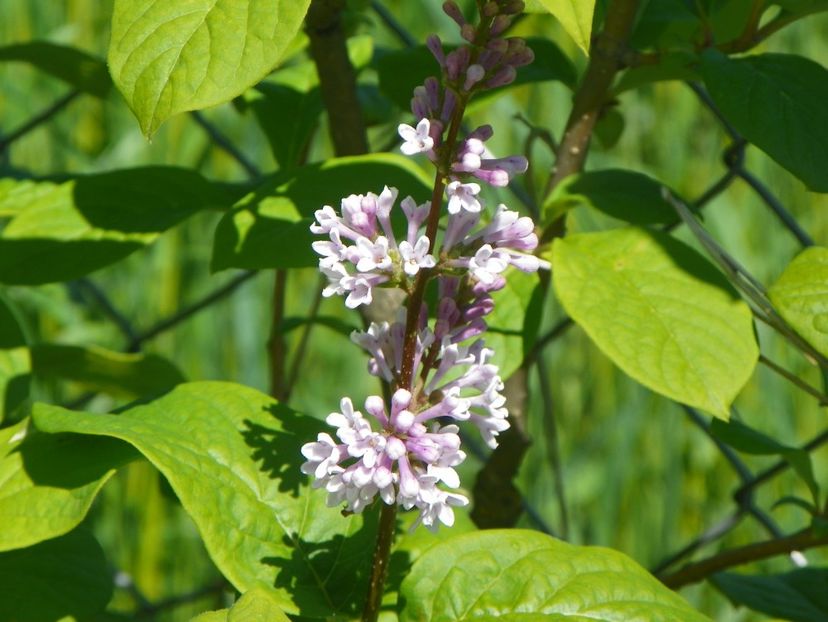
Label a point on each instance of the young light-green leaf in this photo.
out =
(660, 311)
(777, 102)
(64, 231)
(170, 56)
(232, 456)
(98, 369)
(514, 575)
(801, 296)
(50, 480)
(576, 18)
(514, 322)
(15, 362)
(54, 580)
(259, 604)
(269, 227)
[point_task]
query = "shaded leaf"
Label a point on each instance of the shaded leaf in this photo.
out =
(98, 369)
(15, 363)
(549, 64)
(671, 66)
(83, 71)
(269, 228)
(50, 480)
(660, 311)
(799, 596)
(68, 576)
(801, 296)
(512, 575)
(67, 230)
(170, 56)
(232, 456)
(777, 102)
(626, 195)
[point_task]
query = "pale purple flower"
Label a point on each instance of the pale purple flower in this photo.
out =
(463, 197)
(416, 257)
(487, 263)
(417, 140)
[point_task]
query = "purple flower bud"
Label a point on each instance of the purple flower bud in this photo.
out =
(499, 25)
(432, 91)
(457, 62)
(474, 74)
(449, 103)
(503, 76)
(468, 32)
(490, 9)
(451, 9)
(436, 47)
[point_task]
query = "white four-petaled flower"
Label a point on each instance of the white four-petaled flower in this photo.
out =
(417, 140)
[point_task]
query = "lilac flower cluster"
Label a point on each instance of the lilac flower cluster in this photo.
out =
(407, 454)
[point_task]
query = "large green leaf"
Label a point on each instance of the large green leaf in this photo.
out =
(170, 56)
(799, 596)
(777, 102)
(660, 311)
(269, 227)
(50, 581)
(97, 369)
(83, 71)
(64, 231)
(622, 194)
(48, 481)
(514, 322)
(257, 605)
(576, 18)
(15, 363)
(801, 296)
(232, 456)
(418, 63)
(519, 575)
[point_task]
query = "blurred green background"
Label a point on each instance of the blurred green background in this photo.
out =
(638, 475)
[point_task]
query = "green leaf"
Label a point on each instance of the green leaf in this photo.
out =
(97, 369)
(679, 65)
(15, 363)
(68, 230)
(83, 71)
(798, 596)
(232, 456)
(514, 322)
(512, 575)
(660, 311)
(50, 480)
(256, 605)
(801, 296)
(576, 18)
(777, 102)
(625, 195)
(68, 576)
(269, 228)
(418, 63)
(170, 56)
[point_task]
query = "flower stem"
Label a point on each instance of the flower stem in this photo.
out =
(379, 563)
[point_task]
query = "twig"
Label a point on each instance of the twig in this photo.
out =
(776, 207)
(38, 119)
(392, 24)
(220, 140)
(550, 426)
(716, 532)
(379, 563)
(189, 311)
(795, 380)
(693, 573)
(91, 288)
(277, 348)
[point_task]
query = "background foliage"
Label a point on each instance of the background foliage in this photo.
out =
(638, 474)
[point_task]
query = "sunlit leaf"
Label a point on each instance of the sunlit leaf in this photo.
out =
(660, 311)
(513, 575)
(83, 71)
(777, 102)
(576, 18)
(64, 231)
(231, 454)
(269, 228)
(258, 604)
(801, 296)
(97, 369)
(15, 363)
(50, 480)
(53, 580)
(170, 56)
